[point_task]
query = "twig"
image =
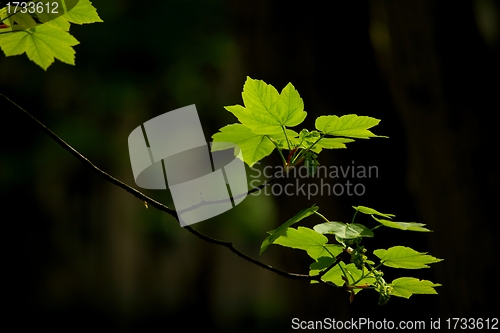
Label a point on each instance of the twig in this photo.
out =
(88, 163)
(170, 211)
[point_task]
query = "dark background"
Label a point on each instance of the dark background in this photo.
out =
(83, 254)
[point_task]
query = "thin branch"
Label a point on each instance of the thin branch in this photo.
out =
(167, 209)
(230, 246)
(88, 163)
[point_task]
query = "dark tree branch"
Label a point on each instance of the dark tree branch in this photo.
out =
(172, 212)
(88, 163)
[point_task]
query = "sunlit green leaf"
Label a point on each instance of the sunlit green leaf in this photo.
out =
(405, 257)
(41, 44)
(83, 13)
(351, 125)
(77, 11)
(411, 226)
(407, 286)
(50, 40)
(273, 235)
(266, 111)
(303, 238)
(290, 107)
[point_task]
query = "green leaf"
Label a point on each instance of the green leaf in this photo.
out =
(407, 286)
(273, 235)
(41, 44)
(266, 111)
(305, 239)
(334, 275)
(371, 211)
(45, 42)
(254, 147)
(342, 230)
(290, 107)
(351, 125)
(411, 226)
(84, 12)
(77, 11)
(404, 257)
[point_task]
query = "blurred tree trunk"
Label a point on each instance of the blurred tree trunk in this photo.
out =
(443, 78)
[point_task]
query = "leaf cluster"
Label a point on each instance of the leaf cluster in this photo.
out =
(265, 122)
(357, 272)
(41, 30)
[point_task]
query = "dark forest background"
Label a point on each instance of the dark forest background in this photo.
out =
(83, 254)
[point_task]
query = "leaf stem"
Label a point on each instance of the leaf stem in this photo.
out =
(286, 137)
(324, 218)
(345, 275)
(278, 148)
(354, 216)
(371, 270)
